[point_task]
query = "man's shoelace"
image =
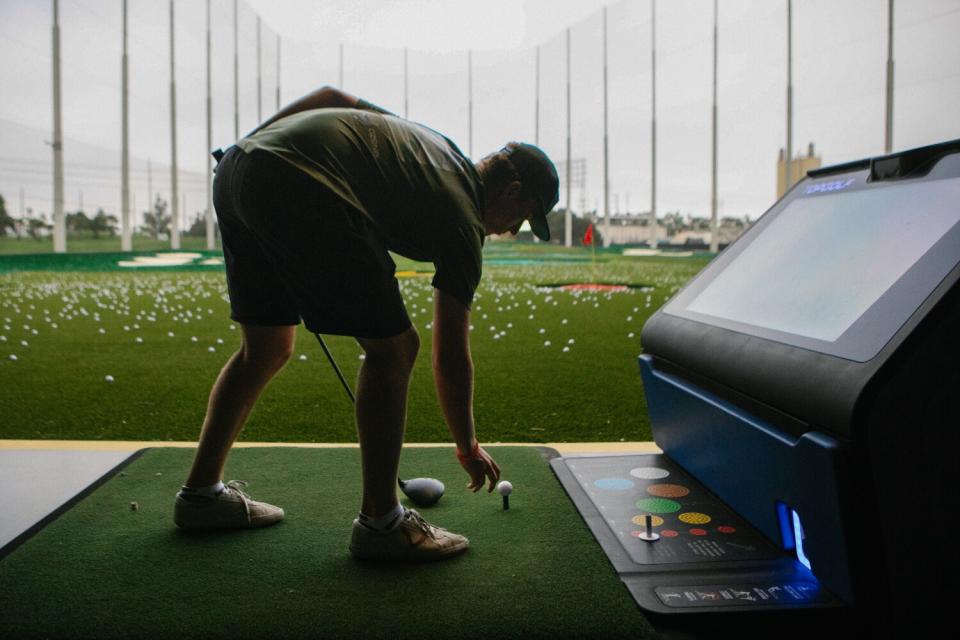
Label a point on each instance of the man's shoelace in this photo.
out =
(424, 526)
(236, 487)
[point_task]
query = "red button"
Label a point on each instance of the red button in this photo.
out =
(726, 530)
(669, 533)
(698, 532)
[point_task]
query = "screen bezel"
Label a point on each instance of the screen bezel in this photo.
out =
(867, 336)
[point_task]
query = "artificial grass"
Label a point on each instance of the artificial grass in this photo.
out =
(103, 570)
(86, 243)
(525, 390)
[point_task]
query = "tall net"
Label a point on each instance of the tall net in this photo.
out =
(482, 99)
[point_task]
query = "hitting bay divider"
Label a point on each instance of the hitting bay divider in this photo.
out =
(103, 569)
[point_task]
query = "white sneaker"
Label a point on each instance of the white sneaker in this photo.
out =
(230, 509)
(412, 539)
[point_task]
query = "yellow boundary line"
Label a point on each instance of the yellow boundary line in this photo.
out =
(564, 448)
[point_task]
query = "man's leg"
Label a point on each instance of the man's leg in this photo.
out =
(381, 415)
(264, 351)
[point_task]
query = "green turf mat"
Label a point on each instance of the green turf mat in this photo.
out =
(102, 261)
(102, 570)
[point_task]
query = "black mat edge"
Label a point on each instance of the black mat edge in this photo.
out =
(12, 546)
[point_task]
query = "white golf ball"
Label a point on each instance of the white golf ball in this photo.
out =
(108, 378)
(303, 357)
(504, 488)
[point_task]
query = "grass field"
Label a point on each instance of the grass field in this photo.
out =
(83, 242)
(550, 365)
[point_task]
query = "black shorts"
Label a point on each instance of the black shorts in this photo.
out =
(293, 250)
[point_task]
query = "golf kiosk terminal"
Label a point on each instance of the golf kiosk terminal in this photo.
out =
(807, 381)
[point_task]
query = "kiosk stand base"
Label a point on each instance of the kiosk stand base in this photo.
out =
(706, 559)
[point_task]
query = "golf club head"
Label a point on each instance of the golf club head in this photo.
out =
(423, 492)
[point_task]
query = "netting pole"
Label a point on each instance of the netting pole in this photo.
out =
(126, 243)
(59, 224)
(888, 136)
(174, 204)
(653, 124)
(714, 240)
(208, 159)
(568, 216)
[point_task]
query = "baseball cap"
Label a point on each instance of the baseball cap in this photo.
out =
(540, 180)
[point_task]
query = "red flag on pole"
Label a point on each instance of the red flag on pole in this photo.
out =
(588, 236)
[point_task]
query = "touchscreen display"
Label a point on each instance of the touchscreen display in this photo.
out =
(826, 258)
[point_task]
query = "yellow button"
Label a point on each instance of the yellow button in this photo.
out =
(694, 518)
(641, 520)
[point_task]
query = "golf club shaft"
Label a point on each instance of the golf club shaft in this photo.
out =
(343, 380)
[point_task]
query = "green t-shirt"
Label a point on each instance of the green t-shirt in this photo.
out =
(422, 194)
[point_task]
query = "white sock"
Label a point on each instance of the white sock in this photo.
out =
(384, 522)
(209, 492)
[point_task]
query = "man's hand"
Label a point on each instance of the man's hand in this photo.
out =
(480, 466)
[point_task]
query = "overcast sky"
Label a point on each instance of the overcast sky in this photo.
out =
(838, 76)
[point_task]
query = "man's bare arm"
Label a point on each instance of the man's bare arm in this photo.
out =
(323, 98)
(453, 367)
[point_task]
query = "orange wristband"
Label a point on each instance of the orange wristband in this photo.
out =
(474, 453)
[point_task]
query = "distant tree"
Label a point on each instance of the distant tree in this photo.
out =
(36, 225)
(699, 224)
(103, 223)
(77, 221)
(198, 227)
(157, 221)
(673, 222)
(5, 220)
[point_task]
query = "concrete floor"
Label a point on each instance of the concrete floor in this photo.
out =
(34, 482)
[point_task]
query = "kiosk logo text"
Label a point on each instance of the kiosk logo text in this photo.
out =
(824, 187)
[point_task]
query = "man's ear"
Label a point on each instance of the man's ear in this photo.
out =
(512, 190)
